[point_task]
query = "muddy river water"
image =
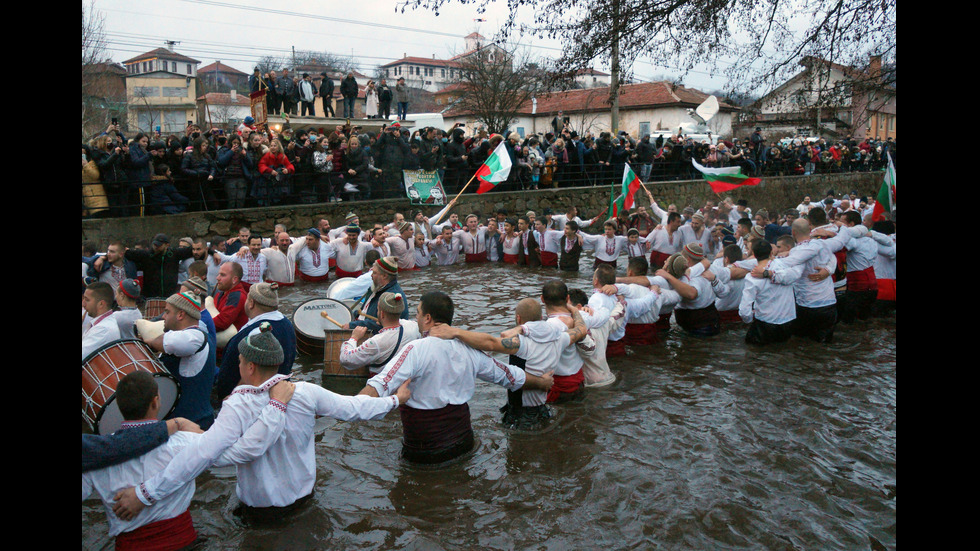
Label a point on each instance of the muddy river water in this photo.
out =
(700, 444)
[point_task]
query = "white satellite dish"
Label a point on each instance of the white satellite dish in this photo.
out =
(707, 109)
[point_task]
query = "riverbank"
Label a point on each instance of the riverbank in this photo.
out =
(774, 193)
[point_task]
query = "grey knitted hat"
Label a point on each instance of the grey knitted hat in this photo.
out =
(265, 294)
(261, 348)
(198, 284)
(393, 303)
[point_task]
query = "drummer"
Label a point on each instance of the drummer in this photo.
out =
(394, 334)
(261, 305)
(384, 276)
(188, 356)
(350, 252)
(97, 302)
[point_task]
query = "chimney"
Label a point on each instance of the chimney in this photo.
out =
(433, 56)
(234, 95)
(874, 67)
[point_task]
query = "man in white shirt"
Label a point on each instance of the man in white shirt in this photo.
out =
(436, 420)
(281, 259)
(767, 303)
(283, 474)
(446, 246)
(350, 251)
(606, 247)
(127, 294)
(167, 524)
(548, 241)
(313, 260)
(254, 263)
(97, 303)
(378, 350)
(402, 245)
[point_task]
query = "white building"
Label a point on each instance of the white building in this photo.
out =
(434, 74)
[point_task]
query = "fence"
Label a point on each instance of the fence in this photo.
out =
(126, 198)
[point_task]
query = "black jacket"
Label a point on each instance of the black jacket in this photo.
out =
(348, 87)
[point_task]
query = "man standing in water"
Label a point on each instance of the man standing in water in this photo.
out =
(436, 420)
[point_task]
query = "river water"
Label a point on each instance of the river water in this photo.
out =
(700, 444)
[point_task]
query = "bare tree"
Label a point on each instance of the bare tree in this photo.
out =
(101, 99)
(494, 92)
(757, 44)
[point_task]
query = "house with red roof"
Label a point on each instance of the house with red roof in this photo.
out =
(434, 74)
(161, 91)
(646, 107)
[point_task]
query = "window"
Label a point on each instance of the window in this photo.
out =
(644, 129)
(144, 66)
(174, 91)
(174, 63)
(891, 123)
(520, 131)
(173, 121)
(146, 91)
(188, 68)
(443, 73)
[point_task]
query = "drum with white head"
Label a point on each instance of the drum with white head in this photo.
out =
(311, 326)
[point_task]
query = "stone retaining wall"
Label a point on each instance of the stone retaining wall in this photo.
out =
(776, 194)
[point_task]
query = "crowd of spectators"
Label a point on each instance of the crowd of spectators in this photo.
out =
(211, 170)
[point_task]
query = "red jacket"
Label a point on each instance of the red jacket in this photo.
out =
(231, 308)
(269, 161)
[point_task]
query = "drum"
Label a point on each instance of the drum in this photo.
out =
(103, 369)
(331, 355)
(154, 307)
(339, 285)
(311, 326)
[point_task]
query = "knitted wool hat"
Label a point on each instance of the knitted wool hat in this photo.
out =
(261, 347)
(388, 265)
(676, 265)
(350, 216)
(758, 232)
(632, 231)
(393, 303)
(266, 294)
(130, 288)
(698, 216)
(314, 232)
(187, 302)
(694, 251)
(197, 284)
(403, 226)
(353, 228)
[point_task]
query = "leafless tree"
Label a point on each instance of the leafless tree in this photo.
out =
(100, 99)
(493, 92)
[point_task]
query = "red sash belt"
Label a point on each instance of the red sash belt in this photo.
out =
(663, 324)
(657, 260)
(729, 316)
(566, 384)
(172, 533)
(511, 258)
(340, 273)
(313, 279)
(476, 257)
(616, 348)
(886, 289)
(549, 258)
(862, 280)
(332, 262)
(638, 334)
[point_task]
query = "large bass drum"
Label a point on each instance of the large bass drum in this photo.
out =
(103, 369)
(311, 326)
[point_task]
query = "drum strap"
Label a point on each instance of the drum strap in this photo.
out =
(401, 331)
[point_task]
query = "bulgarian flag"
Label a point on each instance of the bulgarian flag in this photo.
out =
(885, 201)
(497, 167)
(624, 201)
(725, 179)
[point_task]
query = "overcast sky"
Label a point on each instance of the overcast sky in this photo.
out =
(369, 30)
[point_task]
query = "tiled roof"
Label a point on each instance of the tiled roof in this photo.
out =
(422, 61)
(632, 96)
(217, 98)
(220, 67)
(162, 53)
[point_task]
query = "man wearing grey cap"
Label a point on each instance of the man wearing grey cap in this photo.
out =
(127, 294)
(282, 477)
(394, 334)
(261, 306)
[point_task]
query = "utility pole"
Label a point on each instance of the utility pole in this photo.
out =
(294, 58)
(614, 77)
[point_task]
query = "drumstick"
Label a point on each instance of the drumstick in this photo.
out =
(335, 322)
(368, 316)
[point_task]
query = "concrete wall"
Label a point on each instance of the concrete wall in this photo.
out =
(774, 194)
